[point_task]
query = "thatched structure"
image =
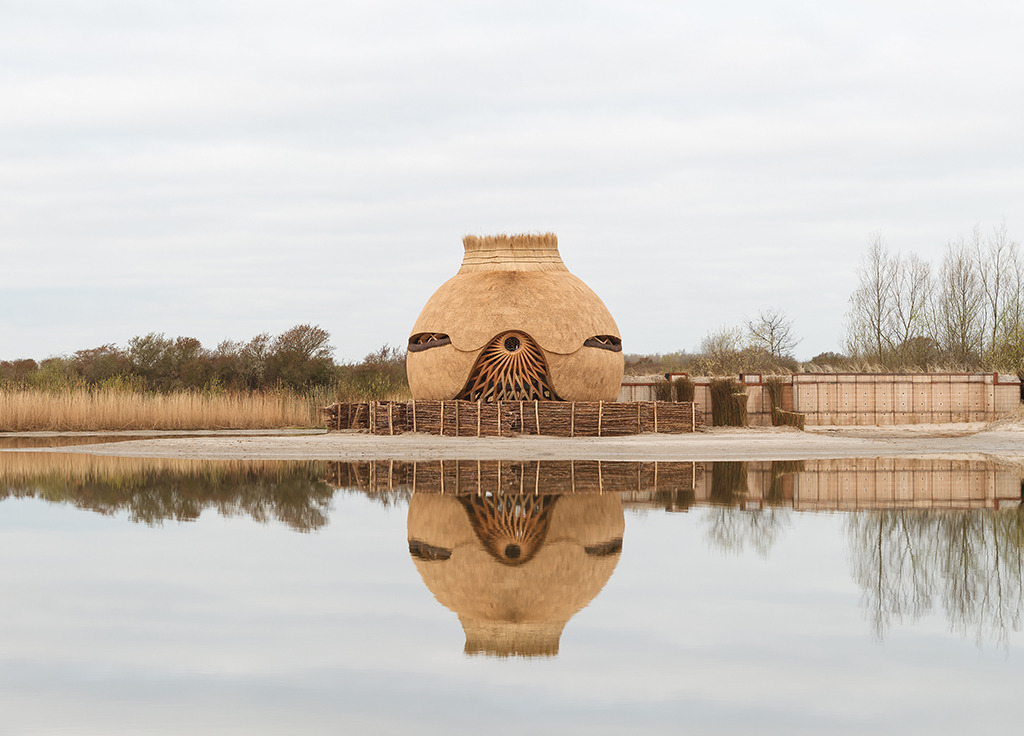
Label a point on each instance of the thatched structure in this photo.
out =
(515, 567)
(514, 325)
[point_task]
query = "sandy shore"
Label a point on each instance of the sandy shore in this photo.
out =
(1001, 441)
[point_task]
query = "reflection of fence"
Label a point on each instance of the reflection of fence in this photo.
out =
(496, 476)
(810, 485)
(827, 485)
(507, 418)
(904, 483)
(865, 483)
(867, 398)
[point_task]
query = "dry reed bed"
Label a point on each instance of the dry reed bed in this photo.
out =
(84, 410)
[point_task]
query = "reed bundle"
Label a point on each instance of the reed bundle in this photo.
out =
(728, 403)
(684, 389)
(780, 417)
(662, 390)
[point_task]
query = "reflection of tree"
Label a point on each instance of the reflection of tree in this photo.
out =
(732, 530)
(156, 491)
(973, 561)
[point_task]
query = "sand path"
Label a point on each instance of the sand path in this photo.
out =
(1002, 441)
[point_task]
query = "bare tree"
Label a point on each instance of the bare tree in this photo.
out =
(869, 327)
(1010, 348)
(772, 332)
(998, 272)
(911, 294)
(969, 311)
(958, 305)
(721, 352)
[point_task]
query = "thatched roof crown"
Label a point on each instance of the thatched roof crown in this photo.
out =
(522, 252)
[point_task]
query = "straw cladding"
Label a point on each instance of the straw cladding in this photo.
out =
(515, 284)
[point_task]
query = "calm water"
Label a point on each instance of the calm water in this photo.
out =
(168, 596)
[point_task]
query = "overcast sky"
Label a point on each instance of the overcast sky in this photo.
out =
(220, 169)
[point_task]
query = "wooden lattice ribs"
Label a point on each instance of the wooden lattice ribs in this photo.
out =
(513, 526)
(510, 368)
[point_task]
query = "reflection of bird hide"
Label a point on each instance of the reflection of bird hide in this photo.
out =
(515, 287)
(515, 604)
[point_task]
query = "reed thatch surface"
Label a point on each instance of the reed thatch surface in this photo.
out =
(516, 283)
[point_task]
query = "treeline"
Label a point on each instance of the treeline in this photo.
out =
(299, 360)
(763, 344)
(965, 313)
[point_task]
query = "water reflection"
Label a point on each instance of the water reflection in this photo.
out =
(151, 490)
(804, 485)
(42, 439)
(968, 562)
(516, 549)
(515, 567)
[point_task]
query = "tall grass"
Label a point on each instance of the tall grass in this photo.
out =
(84, 409)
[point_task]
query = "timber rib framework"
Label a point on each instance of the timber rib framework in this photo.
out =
(511, 418)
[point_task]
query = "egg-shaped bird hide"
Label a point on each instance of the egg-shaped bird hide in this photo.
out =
(514, 325)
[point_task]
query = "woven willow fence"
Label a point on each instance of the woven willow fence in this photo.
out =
(510, 418)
